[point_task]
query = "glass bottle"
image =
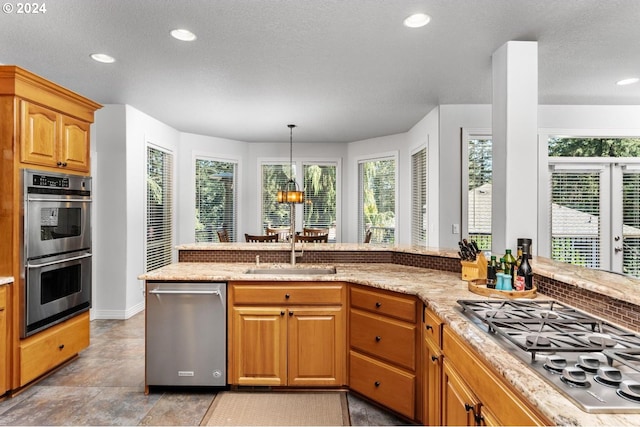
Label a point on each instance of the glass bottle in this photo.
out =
(491, 273)
(511, 263)
(524, 274)
(502, 267)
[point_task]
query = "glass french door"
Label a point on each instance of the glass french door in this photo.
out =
(595, 213)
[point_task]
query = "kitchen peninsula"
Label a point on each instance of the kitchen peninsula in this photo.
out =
(433, 277)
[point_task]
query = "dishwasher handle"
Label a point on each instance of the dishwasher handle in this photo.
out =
(176, 292)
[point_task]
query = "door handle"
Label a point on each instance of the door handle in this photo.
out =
(617, 249)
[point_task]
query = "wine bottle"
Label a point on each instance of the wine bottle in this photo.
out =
(511, 262)
(491, 273)
(524, 275)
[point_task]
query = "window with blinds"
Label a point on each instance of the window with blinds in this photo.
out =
(419, 221)
(575, 217)
(274, 214)
(377, 200)
(215, 199)
(631, 223)
(320, 191)
(159, 248)
(479, 191)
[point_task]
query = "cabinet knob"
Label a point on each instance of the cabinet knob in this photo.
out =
(61, 346)
(287, 296)
(290, 313)
(378, 338)
(1, 308)
(377, 384)
(378, 304)
(282, 313)
(429, 327)
(468, 407)
(434, 358)
(64, 164)
(59, 163)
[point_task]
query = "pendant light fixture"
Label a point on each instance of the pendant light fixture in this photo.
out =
(290, 193)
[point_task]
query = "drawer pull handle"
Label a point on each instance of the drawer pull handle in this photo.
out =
(377, 384)
(378, 304)
(61, 346)
(378, 338)
(287, 296)
(434, 358)
(429, 327)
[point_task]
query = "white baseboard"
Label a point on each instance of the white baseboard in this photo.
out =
(117, 314)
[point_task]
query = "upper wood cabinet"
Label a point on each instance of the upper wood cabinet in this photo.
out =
(52, 139)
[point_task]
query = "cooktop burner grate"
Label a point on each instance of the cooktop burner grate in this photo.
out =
(548, 326)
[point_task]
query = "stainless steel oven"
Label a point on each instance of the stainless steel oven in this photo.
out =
(57, 248)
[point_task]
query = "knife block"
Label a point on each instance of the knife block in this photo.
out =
(474, 270)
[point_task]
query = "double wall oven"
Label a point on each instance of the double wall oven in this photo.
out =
(56, 248)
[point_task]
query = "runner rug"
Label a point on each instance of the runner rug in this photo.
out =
(235, 408)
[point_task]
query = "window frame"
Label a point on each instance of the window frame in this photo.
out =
(389, 155)
(172, 221)
(202, 156)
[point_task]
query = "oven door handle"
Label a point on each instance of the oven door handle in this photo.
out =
(42, 199)
(75, 258)
(173, 292)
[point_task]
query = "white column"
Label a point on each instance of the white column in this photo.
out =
(515, 130)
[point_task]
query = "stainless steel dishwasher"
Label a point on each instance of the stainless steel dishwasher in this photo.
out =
(186, 334)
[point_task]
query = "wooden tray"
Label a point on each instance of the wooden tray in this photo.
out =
(480, 287)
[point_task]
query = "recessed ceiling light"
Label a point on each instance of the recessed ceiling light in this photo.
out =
(184, 35)
(103, 57)
(417, 20)
(630, 81)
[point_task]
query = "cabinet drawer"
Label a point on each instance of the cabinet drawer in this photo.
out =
(48, 349)
(393, 305)
(307, 294)
(432, 327)
(383, 383)
(382, 337)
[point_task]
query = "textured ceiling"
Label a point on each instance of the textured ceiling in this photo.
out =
(342, 70)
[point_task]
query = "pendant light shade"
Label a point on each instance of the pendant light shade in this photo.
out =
(290, 193)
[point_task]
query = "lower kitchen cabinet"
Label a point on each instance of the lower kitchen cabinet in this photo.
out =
(301, 342)
(48, 349)
(432, 369)
(475, 395)
(384, 349)
(4, 350)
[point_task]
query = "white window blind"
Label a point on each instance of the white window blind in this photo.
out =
(631, 223)
(159, 208)
(419, 198)
(320, 197)
(215, 199)
(479, 193)
(274, 214)
(575, 217)
(377, 200)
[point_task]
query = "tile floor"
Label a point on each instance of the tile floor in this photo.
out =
(105, 386)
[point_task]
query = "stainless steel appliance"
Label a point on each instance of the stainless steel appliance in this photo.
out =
(592, 362)
(186, 334)
(56, 248)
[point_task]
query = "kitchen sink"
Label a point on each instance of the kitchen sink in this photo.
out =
(303, 271)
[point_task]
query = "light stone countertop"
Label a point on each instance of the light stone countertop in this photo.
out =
(439, 290)
(5, 280)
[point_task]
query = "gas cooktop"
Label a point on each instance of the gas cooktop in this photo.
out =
(594, 363)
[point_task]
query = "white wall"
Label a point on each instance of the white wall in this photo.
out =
(122, 134)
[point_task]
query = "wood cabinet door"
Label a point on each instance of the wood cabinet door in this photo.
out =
(260, 346)
(317, 341)
(75, 145)
(459, 405)
(432, 372)
(4, 366)
(39, 135)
